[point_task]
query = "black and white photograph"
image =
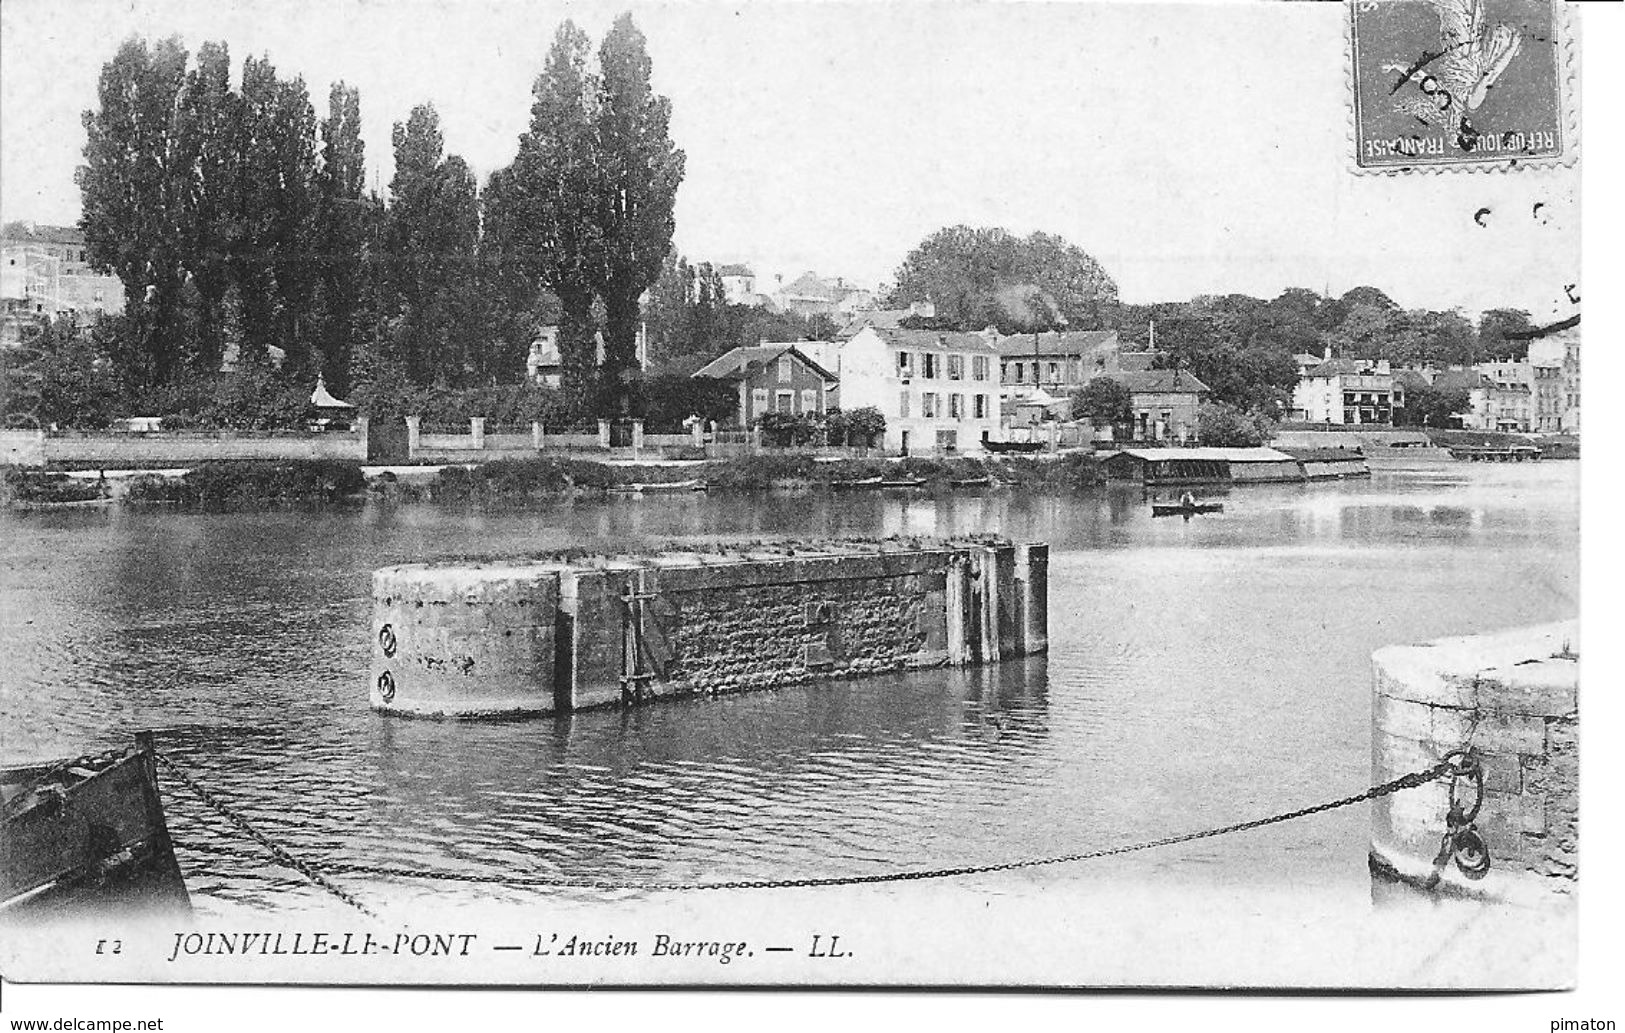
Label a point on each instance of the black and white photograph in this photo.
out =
(907, 496)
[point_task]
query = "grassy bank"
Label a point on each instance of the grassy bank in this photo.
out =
(40, 488)
(544, 477)
(320, 481)
(253, 482)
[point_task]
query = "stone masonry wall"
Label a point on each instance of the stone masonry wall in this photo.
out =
(476, 640)
(1512, 698)
(114, 449)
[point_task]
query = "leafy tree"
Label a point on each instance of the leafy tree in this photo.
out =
(1495, 325)
(1103, 402)
(670, 399)
(989, 277)
(1368, 296)
(1222, 425)
(430, 231)
(134, 202)
(274, 275)
(551, 191)
(209, 121)
(865, 426)
(642, 169)
(1418, 337)
(1430, 406)
(60, 375)
(789, 430)
(347, 221)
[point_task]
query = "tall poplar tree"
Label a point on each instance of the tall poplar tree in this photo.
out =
(545, 211)
(275, 278)
(134, 202)
(430, 233)
(643, 169)
(208, 118)
(344, 223)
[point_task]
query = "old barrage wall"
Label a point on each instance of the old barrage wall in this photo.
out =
(1510, 702)
(504, 638)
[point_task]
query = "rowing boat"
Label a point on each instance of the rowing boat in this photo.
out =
(1185, 509)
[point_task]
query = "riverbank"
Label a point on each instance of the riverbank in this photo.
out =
(322, 481)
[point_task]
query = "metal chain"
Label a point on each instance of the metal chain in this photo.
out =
(1408, 781)
(282, 856)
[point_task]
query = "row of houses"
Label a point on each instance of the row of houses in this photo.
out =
(953, 391)
(1539, 393)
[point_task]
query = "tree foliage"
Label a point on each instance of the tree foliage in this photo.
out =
(1103, 402)
(587, 206)
(1430, 406)
(1495, 325)
(691, 322)
(431, 232)
(642, 169)
(980, 277)
(1222, 425)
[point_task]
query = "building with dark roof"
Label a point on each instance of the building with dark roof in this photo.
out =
(772, 378)
(1056, 363)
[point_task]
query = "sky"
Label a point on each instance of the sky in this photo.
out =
(1191, 149)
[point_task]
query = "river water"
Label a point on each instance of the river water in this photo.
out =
(1201, 672)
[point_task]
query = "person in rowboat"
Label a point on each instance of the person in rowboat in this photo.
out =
(1188, 500)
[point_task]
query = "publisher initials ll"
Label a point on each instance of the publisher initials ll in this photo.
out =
(831, 952)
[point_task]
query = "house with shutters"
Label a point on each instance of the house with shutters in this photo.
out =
(938, 391)
(772, 378)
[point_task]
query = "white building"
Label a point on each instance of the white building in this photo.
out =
(939, 392)
(739, 285)
(1554, 352)
(1348, 391)
(45, 273)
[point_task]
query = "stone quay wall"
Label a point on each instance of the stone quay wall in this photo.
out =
(512, 638)
(178, 448)
(1512, 698)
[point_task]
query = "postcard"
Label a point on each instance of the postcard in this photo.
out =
(861, 495)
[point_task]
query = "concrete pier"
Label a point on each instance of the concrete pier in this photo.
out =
(525, 637)
(1511, 699)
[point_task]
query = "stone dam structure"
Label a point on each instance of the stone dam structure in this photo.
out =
(517, 637)
(1511, 702)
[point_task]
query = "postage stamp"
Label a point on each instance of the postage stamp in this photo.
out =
(1468, 83)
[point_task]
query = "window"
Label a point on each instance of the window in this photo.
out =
(784, 369)
(1055, 371)
(758, 401)
(809, 400)
(928, 405)
(979, 407)
(930, 363)
(784, 401)
(1004, 372)
(978, 367)
(902, 404)
(1019, 372)
(905, 364)
(956, 367)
